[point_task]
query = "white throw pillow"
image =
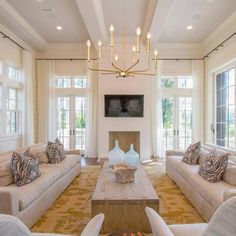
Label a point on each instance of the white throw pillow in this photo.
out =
(230, 172)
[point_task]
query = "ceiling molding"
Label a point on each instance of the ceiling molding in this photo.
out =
(17, 23)
(159, 18)
(149, 18)
(92, 14)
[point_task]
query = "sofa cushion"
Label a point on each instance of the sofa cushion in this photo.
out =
(192, 153)
(211, 192)
(39, 151)
(6, 176)
(30, 192)
(68, 163)
(174, 161)
(212, 169)
(202, 155)
(25, 167)
(229, 175)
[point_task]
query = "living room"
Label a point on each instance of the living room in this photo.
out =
(117, 117)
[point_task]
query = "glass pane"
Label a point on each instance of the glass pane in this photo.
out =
(167, 82)
(167, 113)
(63, 82)
(218, 82)
(80, 82)
(80, 112)
(232, 77)
(185, 82)
(12, 72)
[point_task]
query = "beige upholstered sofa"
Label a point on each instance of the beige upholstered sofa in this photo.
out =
(205, 196)
(30, 201)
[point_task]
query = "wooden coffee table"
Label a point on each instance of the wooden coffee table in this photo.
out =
(124, 204)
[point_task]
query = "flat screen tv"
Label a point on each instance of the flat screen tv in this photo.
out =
(124, 105)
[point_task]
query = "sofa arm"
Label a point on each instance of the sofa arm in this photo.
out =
(229, 193)
(175, 152)
(9, 201)
(73, 152)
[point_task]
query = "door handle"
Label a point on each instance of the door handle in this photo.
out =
(177, 132)
(73, 131)
(174, 132)
(70, 132)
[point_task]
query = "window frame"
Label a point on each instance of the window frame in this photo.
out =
(225, 68)
(6, 83)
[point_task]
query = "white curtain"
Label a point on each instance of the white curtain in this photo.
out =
(198, 100)
(27, 78)
(156, 115)
(91, 146)
(46, 100)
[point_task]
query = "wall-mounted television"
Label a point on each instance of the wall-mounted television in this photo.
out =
(124, 105)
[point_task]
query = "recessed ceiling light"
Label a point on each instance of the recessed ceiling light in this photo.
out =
(189, 27)
(59, 27)
(39, 0)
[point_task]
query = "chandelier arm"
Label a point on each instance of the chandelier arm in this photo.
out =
(110, 73)
(116, 68)
(140, 73)
(132, 66)
(144, 70)
(102, 70)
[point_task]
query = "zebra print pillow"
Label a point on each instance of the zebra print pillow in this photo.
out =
(212, 169)
(55, 151)
(192, 153)
(25, 167)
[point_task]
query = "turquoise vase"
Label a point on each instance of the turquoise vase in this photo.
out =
(116, 155)
(132, 157)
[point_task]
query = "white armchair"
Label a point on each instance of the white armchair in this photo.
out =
(12, 226)
(223, 223)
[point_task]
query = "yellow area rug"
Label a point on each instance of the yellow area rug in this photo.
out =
(72, 210)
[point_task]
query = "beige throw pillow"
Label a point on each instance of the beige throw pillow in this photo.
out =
(6, 176)
(39, 152)
(230, 171)
(202, 155)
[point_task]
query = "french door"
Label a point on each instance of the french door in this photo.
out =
(71, 111)
(177, 121)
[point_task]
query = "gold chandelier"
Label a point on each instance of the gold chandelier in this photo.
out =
(124, 70)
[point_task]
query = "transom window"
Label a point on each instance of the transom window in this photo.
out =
(71, 82)
(12, 72)
(225, 108)
(183, 81)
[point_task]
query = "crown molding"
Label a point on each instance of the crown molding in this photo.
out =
(18, 25)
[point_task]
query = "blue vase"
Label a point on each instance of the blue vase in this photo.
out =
(132, 157)
(116, 155)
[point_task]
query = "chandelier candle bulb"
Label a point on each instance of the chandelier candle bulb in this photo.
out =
(148, 42)
(155, 58)
(116, 59)
(112, 35)
(99, 49)
(88, 45)
(138, 32)
(134, 54)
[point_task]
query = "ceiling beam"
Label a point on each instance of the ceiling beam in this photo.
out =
(92, 14)
(156, 17)
(18, 25)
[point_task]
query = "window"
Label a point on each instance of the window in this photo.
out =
(10, 99)
(183, 81)
(177, 111)
(71, 111)
(71, 82)
(12, 72)
(12, 111)
(225, 108)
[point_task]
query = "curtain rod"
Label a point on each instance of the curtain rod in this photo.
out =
(12, 40)
(160, 59)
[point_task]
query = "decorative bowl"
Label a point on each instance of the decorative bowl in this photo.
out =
(124, 173)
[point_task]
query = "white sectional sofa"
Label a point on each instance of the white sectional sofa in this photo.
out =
(206, 197)
(30, 201)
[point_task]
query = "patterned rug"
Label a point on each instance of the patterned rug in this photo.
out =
(71, 211)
